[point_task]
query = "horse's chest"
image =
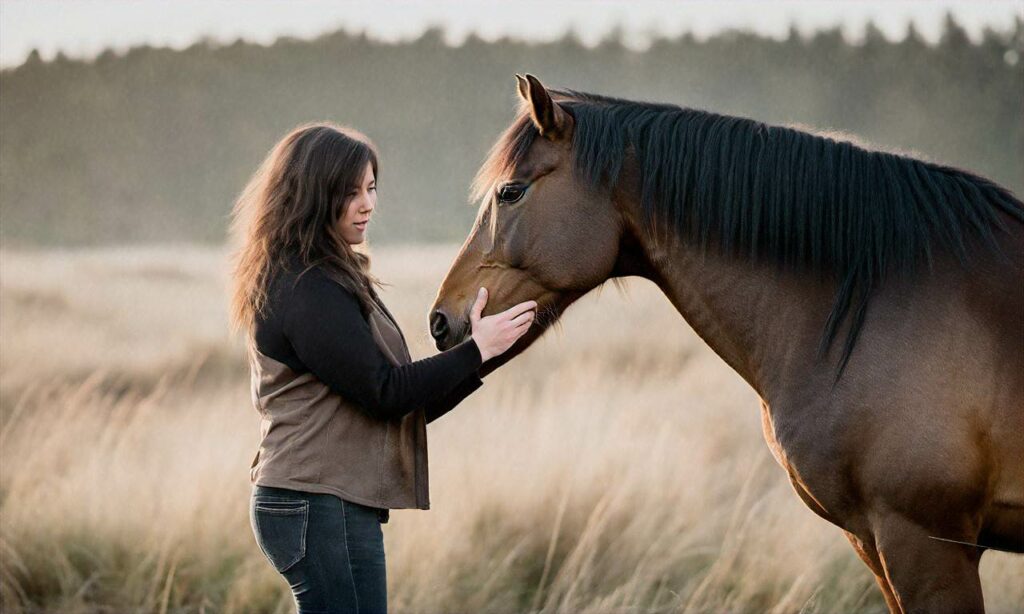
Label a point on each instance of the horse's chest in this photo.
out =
(813, 465)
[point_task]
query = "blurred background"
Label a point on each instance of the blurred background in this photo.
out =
(618, 465)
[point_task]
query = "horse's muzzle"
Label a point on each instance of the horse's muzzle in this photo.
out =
(439, 327)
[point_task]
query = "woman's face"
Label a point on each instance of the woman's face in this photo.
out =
(360, 202)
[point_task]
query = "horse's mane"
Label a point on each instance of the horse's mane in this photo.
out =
(767, 193)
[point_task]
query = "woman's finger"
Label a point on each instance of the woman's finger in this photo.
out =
(515, 310)
(523, 317)
(524, 326)
(478, 306)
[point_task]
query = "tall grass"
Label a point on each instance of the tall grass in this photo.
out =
(616, 467)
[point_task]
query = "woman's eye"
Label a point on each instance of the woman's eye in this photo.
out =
(511, 193)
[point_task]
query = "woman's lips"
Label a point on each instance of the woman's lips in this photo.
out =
(361, 225)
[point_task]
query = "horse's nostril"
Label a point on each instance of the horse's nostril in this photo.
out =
(438, 325)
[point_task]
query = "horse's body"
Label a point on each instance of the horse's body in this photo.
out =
(923, 436)
(912, 443)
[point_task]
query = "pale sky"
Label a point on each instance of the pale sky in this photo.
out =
(82, 28)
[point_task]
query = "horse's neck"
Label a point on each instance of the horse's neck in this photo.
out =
(763, 323)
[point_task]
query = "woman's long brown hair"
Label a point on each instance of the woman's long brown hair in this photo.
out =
(290, 208)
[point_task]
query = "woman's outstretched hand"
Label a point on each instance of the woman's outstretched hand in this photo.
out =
(496, 333)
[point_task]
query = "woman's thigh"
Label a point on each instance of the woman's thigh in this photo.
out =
(366, 556)
(330, 551)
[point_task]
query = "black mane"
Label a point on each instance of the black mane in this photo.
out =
(775, 194)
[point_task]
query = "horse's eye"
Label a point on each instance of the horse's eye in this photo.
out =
(510, 193)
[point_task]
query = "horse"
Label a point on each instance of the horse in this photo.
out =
(874, 301)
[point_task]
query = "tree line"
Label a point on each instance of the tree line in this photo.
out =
(155, 144)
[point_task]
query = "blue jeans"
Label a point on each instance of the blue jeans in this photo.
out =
(330, 551)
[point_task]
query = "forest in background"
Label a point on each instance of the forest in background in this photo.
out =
(153, 145)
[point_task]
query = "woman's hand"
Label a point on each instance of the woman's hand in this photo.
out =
(496, 333)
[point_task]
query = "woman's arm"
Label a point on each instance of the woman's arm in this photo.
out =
(444, 405)
(325, 325)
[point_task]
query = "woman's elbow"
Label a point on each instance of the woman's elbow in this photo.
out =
(384, 407)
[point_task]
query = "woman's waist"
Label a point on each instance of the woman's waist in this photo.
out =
(321, 500)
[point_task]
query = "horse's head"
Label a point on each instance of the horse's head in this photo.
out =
(541, 233)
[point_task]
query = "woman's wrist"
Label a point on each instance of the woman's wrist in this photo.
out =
(479, 350)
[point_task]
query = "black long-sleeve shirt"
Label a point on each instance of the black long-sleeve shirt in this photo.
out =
(317, 325)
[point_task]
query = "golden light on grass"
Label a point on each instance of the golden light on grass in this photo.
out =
(616, 466)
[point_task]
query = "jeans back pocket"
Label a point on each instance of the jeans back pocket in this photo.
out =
(280, 528)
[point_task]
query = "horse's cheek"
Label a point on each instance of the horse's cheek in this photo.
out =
(582, 260)
(516, 244)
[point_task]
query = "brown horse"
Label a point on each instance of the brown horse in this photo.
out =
(774, 243)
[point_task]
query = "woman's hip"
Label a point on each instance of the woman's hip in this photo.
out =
(331, 551)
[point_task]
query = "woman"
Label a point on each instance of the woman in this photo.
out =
(343, 407)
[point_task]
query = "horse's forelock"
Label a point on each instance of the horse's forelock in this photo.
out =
(508, 151)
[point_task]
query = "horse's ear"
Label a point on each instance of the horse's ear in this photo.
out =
(524, 87)
(553, 122)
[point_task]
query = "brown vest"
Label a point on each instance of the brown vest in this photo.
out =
(315, 440)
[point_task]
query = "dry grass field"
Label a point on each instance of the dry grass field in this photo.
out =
(617, 466)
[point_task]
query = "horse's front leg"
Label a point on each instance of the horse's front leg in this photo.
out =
(924, 574)
(863, 543)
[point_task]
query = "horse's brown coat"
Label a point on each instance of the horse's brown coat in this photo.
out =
(923, 435)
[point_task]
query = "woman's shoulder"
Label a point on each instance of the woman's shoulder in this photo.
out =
(312, 286)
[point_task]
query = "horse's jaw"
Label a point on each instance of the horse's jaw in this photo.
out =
(551, 308)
